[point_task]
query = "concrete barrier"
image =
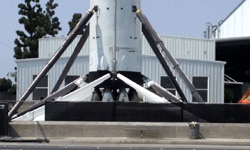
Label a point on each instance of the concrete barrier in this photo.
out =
(125, 129)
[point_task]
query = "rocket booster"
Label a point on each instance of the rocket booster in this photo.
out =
(115, 37)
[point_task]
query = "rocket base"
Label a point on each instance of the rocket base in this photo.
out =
(115, 89)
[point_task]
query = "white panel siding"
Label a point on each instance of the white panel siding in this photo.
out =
(151, 68)
(237, 24)
(246, 18)
(48, 46)
(25, 71)
(182, 47)
(29, 67)
(78, 68)
(211, 69)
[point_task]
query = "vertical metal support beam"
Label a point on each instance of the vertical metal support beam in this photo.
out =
(72, 59)
(53, 60)
(162, 49)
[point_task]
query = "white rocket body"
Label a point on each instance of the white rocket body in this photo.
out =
(115, 37)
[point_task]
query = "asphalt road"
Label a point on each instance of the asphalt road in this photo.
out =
(137, 147)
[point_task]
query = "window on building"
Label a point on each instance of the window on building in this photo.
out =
(70, 78)
(41, 90)
(201, 85)
(167, 84)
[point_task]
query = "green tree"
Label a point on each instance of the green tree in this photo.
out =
(12, 90)
(7, 86)
(37, 23)
(55, 24)
(75, 19)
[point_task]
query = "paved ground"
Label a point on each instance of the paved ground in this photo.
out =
(164, 141)
(122, 144)
(28, 146)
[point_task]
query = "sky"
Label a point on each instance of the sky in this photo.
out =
(186, 18)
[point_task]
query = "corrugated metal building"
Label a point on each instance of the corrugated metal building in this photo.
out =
(196, 58)
(180, 47)
(237, 23)
(232, 36)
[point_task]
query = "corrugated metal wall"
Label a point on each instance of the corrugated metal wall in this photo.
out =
(25, 71)
(151, 68)
(180, 47)
(201, 51)
(237, 24)
(29, 67)
(48, 46)
(211, 69)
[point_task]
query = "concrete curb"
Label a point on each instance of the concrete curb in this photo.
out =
(128, 133)
(175, 141)
(126, 129)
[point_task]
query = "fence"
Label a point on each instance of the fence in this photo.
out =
(145, 112)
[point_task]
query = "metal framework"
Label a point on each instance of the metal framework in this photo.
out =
(79, 89)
